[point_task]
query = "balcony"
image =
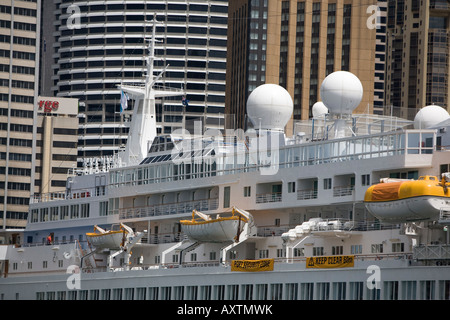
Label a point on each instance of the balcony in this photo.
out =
(343, 191)
(307, 194)
(269, 197)
(169, 209)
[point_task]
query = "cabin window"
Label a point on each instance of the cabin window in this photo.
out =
(327, 184)
(356, 249)
(317, 251)
(74, 211)
(103, 208)
(337, 250)
(398, 247)
(299, 252)
(377, 248)
(365, 180)
(226, 197)
(247, 191)
(263, 254)
(291, 187)
(64, 212)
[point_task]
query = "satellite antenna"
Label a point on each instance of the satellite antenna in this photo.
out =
(341, 93)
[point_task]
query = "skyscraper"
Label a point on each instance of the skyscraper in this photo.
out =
(100, 45)
(296, 44)
(417, 65)
(19, 68)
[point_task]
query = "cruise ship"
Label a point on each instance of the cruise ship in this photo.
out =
(349, 207)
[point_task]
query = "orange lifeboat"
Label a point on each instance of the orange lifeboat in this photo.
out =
(408, 200)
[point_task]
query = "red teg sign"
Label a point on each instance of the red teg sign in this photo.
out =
(48, 105)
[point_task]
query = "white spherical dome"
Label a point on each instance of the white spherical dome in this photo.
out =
(270, 106)
(341, 92)
(319, 109)
(430, 116)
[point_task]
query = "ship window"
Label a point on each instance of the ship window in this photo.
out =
(317, 251)
(74, 211)
(377, 248)
(398, 247)
(247, 191)
(85, 210)
(263, 254)
(226, 197)
(336, 250)
(327, 183)
(291, 187)
(365, 179)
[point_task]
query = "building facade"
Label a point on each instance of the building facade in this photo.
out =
(57, 138)
(98, 45)
(417, 65)
(296, 44)
(19, 69)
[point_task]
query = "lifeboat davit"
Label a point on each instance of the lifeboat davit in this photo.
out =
(107, 239)
(220, 229)
(410, 200)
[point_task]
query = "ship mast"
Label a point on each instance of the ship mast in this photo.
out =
(143, 123)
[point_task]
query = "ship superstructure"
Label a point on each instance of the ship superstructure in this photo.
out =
(188, 219)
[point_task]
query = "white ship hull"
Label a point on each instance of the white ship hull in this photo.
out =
(291, 281)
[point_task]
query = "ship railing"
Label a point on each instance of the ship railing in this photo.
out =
(73, 194)
(444, 215)
(215, 263)
(343, 191)
(269, 197)
(431, 252)
(357, 257)
(307, 194)
(169, 208)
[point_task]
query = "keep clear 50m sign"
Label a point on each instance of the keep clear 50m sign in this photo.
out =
(330, 262)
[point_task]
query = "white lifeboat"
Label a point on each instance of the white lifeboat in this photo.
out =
(107, 239)
(220, 229)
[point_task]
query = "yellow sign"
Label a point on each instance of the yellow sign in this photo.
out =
(330, 262)
(252, 265)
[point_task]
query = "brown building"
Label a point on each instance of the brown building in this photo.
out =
(296, 44)
(417, 60)
(19, 67)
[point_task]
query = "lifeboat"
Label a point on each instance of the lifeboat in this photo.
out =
(203, 228)
(107, 239)
(408, 200)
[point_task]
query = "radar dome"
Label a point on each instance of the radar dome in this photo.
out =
(430, 116)
(341, 92)
(270, 106)
(319, 109)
